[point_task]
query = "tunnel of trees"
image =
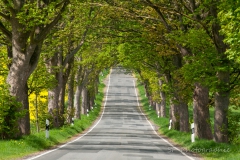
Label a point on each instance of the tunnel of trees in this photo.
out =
(184, 52)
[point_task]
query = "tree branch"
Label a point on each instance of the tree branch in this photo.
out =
(47, 29)
(5, 16)
(73, 52)
(156, 8)
(6, 32)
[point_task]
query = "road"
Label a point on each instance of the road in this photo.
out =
(122, 132)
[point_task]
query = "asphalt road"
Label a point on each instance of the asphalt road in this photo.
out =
(122, 133)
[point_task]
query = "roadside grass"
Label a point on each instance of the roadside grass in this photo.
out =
(207, 149)
(19, 148)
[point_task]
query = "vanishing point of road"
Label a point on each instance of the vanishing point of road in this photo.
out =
(122, 132)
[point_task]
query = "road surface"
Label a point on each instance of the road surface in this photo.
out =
(122, 133)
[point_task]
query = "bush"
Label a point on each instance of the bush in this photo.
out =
(9, 114)
(233, 126)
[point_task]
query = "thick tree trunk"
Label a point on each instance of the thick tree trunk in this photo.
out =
(84, 100)
(63, 78)
(53, 93)
(77, 95)
(96, 84)
(70, 109)
(184, 117)
(174, 114)
(201, 113)
(221, 108)
(53, 106)
(19, 90)
(223, 88)
(24, 61)
(77, 102)
(163, 100)
(81, 79)
(89, 100)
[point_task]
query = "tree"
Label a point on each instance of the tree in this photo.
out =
(26, 24)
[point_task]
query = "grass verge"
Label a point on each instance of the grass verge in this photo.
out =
(17, 149)
(207, 149)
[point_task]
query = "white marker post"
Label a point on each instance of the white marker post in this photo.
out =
(192, 136)
(149, 107)
(47, 128)
(72, 122)
(170, 124)
(87, 112)
(91, 108)
(158, 114)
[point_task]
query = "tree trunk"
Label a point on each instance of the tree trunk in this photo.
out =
(221, 108)
(53, 93)
(36, 109)
(158, 108)
(53, 106)
(77, 102)
(24, 61)
(201, 113)
(84, 100)
(184, 117)
(96, 84)
(223, 88)
(163, 100)
(70, 109)
(174, 114)
(63, 78)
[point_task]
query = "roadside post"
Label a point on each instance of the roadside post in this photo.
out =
(87, 112)
(158, 114)
(149, 107)
(47, 128)
(192, 136)
(72, 122)
(170, 124)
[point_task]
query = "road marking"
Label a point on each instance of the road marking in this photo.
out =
(84, 133)
(153, 127)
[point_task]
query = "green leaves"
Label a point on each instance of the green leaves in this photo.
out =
(229, 18)
(9, 114)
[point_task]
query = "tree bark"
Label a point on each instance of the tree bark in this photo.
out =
(201, 113)
(163, 100)
(84, 100)
(70, 108)
(174, 114)
(221, 108)
(184, 117)
(223, 76)
(53, 93)
(77, 102)
(23, 64)
(81, 80)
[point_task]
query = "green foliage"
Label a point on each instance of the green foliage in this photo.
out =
(34, 14)
(230, 22)
(10, 112)
(234, 126)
